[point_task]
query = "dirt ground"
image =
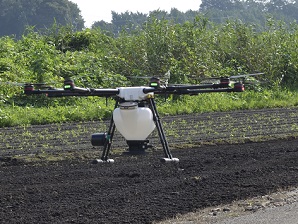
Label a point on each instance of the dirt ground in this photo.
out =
(141, 189)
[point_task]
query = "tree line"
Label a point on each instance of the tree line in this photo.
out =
(17, 15)
(247, 11)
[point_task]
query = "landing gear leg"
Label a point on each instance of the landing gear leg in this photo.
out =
(162, 136)
(108, 142)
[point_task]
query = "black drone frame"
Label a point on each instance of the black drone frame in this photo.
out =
(154, 87)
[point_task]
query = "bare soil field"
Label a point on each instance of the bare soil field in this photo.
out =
(46, 175)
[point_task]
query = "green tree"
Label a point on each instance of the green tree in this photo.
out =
(16, 15)
(215, 4)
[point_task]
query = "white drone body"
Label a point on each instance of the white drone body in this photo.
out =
(134, 93)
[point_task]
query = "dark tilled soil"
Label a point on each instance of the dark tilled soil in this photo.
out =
(141, 189)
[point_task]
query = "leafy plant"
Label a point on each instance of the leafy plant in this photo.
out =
(191, 51)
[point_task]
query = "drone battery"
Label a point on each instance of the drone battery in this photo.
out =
(98, 139)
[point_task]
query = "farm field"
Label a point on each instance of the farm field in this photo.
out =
(47, 175)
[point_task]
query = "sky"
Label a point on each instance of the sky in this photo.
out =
(96, 10)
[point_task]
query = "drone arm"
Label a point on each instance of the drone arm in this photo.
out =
(75, 91)
(181, 90)
(78, 91)
(197, 91)
(173, 89)
(32, 91)
(204, 86)
(104, 92)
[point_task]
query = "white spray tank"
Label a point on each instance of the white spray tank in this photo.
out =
(133, 122)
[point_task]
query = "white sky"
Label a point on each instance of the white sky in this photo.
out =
(96, 10)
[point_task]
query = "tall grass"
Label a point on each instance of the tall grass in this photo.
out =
(231, 101)
(86, 109)
(81, 110)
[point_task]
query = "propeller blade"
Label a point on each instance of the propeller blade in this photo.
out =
(245, 75)
(13, 83)
(139, 77)
(234, 76)
(38, 85)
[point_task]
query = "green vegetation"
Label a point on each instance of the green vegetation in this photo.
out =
(95, 109)
(191, 51)
(248, 11)
(16, 15)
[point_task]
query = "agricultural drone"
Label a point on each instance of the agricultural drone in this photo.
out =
(135, 113)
